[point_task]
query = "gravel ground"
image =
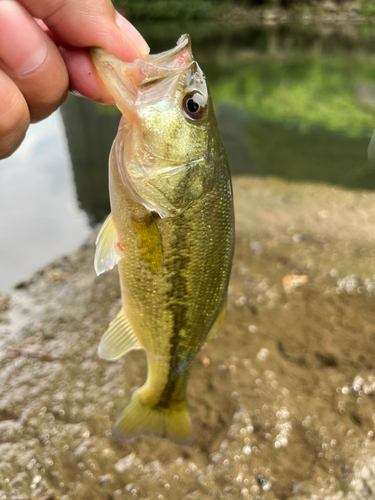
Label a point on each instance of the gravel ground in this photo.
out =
(282, 400)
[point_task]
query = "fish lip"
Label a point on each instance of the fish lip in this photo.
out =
(184, 42)
(127, 81)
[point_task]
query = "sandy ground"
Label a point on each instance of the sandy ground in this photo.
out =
(282, 401)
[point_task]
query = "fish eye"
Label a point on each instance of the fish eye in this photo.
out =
(194, 105)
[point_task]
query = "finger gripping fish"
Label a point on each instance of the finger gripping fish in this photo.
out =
(170, 230)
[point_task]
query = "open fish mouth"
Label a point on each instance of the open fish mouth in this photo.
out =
(143, 79)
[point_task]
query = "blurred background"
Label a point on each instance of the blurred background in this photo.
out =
(293, 85)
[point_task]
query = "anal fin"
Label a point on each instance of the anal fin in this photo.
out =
(118, 339)
(217, 325)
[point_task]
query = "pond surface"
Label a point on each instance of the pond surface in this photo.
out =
(40, 216)
(296, 103)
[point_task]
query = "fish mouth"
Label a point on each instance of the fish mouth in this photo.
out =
(142, 79)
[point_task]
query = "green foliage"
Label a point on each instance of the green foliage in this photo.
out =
(302, 91)
(272, 3)
(209, 9)
(304, 119)
(168, 9)
(368, 8)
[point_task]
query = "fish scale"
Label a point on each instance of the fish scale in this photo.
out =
(172, 228)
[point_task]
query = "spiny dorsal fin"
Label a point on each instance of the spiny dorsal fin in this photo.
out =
(118, 339)
(150, 242)
(106, 256)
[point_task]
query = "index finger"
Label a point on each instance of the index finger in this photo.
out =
(76, 24)
(90, 23)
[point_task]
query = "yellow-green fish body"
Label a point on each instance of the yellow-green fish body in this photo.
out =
(170, 230)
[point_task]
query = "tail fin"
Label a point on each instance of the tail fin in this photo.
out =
(139, 418)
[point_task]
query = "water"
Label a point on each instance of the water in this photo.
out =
(296, 103)
(40, 217)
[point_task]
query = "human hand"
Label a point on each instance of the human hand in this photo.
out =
(40, 59)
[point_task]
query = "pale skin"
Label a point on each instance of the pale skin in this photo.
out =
(43, 55)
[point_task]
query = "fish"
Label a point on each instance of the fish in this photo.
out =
(170, 231)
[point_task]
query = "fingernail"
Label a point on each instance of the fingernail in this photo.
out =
(21, 46)
(135, 39)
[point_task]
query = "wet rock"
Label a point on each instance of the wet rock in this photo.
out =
(283, 408)
(127, 463)
(5, 300)
(291, 282)
(10, 431)
(106, 480)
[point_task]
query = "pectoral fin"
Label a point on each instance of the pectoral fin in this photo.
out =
(118, 339)
(106, 256)
(150, 242)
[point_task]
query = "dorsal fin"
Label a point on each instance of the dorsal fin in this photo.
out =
(106, 256)
(118, 339)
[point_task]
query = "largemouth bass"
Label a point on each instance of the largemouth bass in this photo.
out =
(170, 230)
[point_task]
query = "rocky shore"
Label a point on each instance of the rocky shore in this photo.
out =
(282, 401)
